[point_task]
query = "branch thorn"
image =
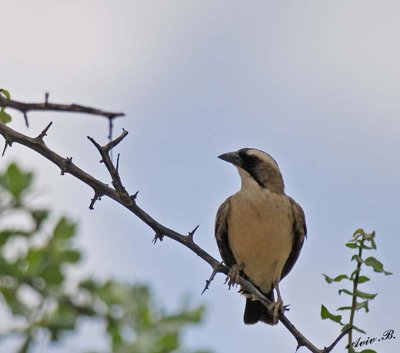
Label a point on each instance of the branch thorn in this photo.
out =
(26, 119)
(66, 163)
(110, 126)
(158, 236)
(191, 234)
(208, 281)
(117, 165)
(134, 196)
(44, 132)
(96, 197)
(6, 144)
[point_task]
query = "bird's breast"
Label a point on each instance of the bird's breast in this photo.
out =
(260, 234)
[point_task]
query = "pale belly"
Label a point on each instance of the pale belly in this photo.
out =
(260, 235)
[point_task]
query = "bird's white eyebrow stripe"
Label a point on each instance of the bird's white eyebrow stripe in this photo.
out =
(263, 156)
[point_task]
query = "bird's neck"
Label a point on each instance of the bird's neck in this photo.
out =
(275, 185)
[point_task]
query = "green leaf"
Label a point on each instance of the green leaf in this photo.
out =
(345, 291)
(61, 319)
(357, 258)
(15, 305)
(15, 180)
(71, 256)
(345, 327)
(39, 216)
(168, 342)
(351, 245)
(365, 295)
(358, 329)
(366, 247)
(363, 279)
(52, 275)
(369, 236)
(344, 308)
(376, 265)
(368, 351)
(325, 314)
(358, 233)
(64, 229)
(362, 305)
(359, 294)
(4, 117)
(114, 331)
(336, 279)
(5, 93)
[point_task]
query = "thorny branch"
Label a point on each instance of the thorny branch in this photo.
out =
(119, 194)
(24, 108)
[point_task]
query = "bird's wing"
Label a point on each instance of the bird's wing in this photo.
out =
(299, 234)
(221, 233)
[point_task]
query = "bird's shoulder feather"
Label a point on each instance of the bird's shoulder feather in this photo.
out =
(221, 233)
(299, 234)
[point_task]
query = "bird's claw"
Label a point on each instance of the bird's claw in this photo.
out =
(275, 309)
(234, 274)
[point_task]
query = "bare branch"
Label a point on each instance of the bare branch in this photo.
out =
(46, 106)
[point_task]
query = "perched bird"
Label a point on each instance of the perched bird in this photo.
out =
(260, 230)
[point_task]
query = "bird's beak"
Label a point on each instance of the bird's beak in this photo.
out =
(231, 157)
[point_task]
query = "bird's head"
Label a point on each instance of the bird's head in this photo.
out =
(256, 166)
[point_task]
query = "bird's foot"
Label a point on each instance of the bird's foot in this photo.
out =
(234, 274)
(275, 309)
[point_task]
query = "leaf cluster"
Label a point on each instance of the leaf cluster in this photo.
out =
(37, 290)
(360, 242)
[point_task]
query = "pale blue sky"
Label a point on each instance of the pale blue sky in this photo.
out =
(315, 84)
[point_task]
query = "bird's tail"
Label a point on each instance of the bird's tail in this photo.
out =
(255, 311)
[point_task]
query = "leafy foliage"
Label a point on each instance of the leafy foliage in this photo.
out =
(36, 289)
(360, 242)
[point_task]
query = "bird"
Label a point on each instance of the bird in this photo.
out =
(259, 231)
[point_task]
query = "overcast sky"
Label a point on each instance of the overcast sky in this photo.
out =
(315, 84)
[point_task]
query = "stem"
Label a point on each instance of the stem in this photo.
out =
(354, 299)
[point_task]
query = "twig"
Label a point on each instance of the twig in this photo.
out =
(46, 106)
(208, 281)
(24, 108)
(121, 196)
(106, 159)
(338, 339)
